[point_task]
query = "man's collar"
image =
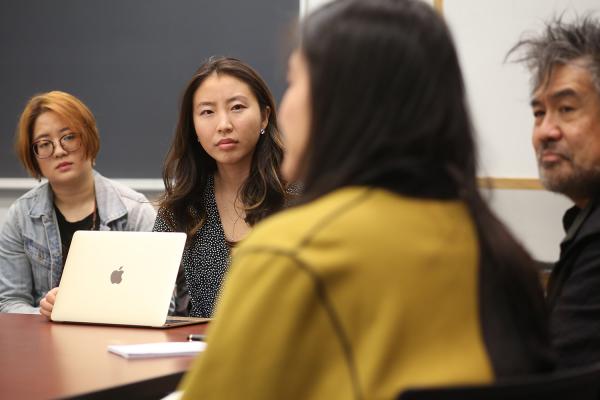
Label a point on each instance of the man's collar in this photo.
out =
(574, 218)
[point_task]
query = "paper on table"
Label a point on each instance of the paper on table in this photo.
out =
(162, 349)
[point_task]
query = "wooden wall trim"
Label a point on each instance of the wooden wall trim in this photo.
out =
(499, 183)
(510, 183)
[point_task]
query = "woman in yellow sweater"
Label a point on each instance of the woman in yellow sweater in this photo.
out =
(392, 271)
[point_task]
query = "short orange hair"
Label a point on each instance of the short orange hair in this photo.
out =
(68, 107)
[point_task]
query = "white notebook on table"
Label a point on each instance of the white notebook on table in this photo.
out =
(162, 349)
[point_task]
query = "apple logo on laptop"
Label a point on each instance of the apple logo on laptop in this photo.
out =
(117, 275)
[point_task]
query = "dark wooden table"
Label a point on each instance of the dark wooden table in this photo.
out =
(45, 360)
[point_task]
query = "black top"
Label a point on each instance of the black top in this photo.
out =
(204, 262)
(67, 229)
(574, 289)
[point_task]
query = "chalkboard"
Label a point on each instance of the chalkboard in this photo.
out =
(129, 61)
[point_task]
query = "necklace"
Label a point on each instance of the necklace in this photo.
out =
(94, 216)
(231, 215)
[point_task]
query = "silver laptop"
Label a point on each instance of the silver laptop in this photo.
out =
(121, 278)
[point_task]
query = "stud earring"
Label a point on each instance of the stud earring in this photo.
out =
(262, 131)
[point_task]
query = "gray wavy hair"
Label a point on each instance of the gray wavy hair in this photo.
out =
(561, 43)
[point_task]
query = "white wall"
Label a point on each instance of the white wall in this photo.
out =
(484, 32)
(534, 217)
(499, 92)
(309, 5)
(5, 202)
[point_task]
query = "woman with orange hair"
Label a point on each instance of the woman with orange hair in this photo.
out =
(57, 139)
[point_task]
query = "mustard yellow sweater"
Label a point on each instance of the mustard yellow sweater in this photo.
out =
(357, 295)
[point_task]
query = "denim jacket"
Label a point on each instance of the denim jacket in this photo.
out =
(30, 247)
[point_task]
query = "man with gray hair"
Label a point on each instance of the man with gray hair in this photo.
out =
(565, 65)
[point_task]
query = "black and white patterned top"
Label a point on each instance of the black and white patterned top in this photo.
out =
(205, 259)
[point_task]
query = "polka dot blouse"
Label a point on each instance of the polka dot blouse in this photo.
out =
(205, 260)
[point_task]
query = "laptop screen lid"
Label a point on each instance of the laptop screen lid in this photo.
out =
(123, 278)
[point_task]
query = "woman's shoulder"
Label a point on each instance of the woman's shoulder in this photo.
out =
(118, 188)
(297, 223)
(117, 200)
(351, 214)
(40, 189)
(36, 197)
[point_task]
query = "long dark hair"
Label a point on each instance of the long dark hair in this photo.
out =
(187, 166)
(389, 110)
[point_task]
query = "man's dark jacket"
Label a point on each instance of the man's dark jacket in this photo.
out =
(573, 293)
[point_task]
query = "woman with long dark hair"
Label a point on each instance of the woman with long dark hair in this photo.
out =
(392, 271)
(221, 174)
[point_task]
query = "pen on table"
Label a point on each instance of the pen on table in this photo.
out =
(196, 337)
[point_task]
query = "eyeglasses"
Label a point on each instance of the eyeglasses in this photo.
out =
(44, 148)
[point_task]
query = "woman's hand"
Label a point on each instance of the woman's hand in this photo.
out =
(47, 303)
